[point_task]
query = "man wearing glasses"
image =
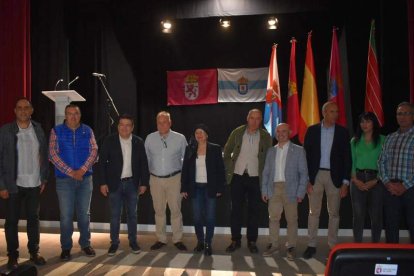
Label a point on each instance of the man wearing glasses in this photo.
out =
(165, 151)
(396, 171)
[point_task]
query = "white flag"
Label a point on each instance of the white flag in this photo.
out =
(242, 84)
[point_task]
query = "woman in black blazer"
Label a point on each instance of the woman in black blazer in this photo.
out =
(203, 180)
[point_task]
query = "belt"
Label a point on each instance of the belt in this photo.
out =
(324, 169)
(367, 171)
(166, 176)
(126, 178)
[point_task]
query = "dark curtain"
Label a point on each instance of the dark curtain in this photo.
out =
(15, 71)
(122, 40)
(410, 14)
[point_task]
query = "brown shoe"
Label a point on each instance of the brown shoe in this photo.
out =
(89, 251)
(37, 259)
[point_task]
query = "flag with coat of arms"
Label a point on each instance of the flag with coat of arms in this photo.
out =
(273, 106)
(242, 84)
(191, 87)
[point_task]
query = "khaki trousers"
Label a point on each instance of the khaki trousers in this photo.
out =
(277, 203)
(323, 182)
(163, 191)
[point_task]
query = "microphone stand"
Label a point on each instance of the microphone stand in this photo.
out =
(110, 104)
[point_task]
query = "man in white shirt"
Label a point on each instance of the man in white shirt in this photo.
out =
(284, 181)
(24, 169)
(123, 172)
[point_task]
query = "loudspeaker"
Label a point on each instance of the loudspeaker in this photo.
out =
(371, 259)
(22, 270)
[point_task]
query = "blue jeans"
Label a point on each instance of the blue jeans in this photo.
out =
(204, 212)
(126, 195)
(394, 208)
(74, 195)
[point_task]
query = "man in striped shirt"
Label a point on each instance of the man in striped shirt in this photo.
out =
(73, 151)
(396, 171)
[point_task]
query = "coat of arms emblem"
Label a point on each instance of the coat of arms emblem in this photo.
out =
(243, 85)
(191, 87)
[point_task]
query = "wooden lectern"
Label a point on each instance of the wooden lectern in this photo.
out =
(62, 98)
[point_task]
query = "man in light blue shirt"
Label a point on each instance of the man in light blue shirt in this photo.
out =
(328, 155)
(165, 151)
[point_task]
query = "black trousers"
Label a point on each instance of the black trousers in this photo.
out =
(30, 197)
(245, 187)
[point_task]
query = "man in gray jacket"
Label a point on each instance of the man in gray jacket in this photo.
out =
(284, 180)
(24, 170)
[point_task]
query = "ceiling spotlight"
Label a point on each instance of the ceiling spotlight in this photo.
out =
(272, 23)
(225, 23)
(166, 26)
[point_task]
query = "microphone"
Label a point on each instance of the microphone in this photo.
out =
(59, 81)
(98, 75)
(75, 79)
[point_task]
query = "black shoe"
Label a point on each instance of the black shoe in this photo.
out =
(135, 248)
(180, 246)
(89, 251)
(112, 250)
(199, 247)
(309, 252)
(158, 245)
(12, 263)
(207, 250)
(252, 247)
(65, 255)
(37, 259)
(233, 246)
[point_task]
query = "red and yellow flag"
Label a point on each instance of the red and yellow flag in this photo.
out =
(309, 108)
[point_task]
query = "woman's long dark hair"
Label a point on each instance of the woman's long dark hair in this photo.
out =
(368, 116)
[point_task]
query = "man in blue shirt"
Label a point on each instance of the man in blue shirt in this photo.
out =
(328, 155)
(165, 151)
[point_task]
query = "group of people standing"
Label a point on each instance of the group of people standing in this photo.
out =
(379, 171)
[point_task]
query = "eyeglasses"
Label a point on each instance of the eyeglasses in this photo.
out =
(406, 113)
(164, 142)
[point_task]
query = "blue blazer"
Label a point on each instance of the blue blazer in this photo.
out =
(111, 162)
(296, 173)
(215, 171)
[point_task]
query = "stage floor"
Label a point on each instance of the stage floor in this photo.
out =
(168, 260)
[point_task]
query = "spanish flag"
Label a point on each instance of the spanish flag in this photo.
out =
(309, 108)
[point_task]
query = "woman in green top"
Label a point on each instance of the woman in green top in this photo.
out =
(366, 190)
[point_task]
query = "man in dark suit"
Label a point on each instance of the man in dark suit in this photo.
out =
(329, 165)
(124, 175)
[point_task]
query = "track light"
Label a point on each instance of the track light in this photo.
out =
(166, 26)
(224, 22)
(272, 23)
